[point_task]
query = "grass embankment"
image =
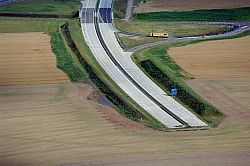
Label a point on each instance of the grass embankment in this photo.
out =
(65, 7)
(156, 63)
(237, 14)
(123, 103)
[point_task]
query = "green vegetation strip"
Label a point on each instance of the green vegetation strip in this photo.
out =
(173, 29)
(63, 7)
(167, 74)
(65, 59)
(123, 103)
(237, 14)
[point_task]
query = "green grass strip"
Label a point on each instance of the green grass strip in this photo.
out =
(236, 14)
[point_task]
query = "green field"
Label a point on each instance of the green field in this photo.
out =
(43, 6)
(172, 29)
(18, 25)
(237, 14)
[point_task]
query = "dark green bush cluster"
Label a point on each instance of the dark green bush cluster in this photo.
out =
(190, 100)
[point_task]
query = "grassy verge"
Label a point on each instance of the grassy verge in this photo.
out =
(128, 42)
(135, 26)
(123, 103)
(43, 6)
(156, 63)
(237, 14)
(65, 59)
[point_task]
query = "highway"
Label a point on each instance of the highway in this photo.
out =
(99, 35)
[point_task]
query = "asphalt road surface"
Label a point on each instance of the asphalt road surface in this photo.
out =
(102, 41)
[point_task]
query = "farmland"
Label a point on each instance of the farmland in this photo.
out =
(179, 5)
(221, 77)
(47, 120)
(45, 6)
(231, 59)
(27, 58)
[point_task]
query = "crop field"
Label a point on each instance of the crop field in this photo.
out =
(222, 74)
(180, 5)
(48, 124)
(57, 124)
(42, 6)
(215, 59)
(27, 58)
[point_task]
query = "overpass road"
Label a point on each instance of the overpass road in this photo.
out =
(96, 21)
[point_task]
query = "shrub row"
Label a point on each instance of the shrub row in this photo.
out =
(190, 100)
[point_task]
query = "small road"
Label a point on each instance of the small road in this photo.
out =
(236, 28)
(129, 10)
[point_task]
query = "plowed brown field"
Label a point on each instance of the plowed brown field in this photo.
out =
(215, 59)
(222, 72)
(27, 58)
(180, 5)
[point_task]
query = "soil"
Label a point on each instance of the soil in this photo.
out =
(180, 5)
(222, 75)
(215, 59)
(56, 124)
(27, 58)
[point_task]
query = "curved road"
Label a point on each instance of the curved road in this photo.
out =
(96, 19)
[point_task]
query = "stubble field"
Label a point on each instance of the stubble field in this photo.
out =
(27, 58)
(48, 124)
(222, 74)
(180, 5)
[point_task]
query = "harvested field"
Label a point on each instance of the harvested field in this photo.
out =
(56, 124)
(230, 95)
(222, 75)
(215, 59)
(27, 58)
(180, 5)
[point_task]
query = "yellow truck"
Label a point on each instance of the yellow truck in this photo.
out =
(163, 35)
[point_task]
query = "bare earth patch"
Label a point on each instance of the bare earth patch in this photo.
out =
(180, 5)
(27, 58)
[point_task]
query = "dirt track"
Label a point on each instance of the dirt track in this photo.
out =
(180, 5)
(27, 58)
